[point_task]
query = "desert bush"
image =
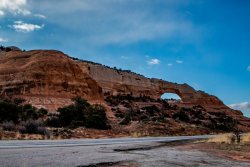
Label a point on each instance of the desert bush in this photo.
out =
(42, 112)
(81, 113)
(144, 118)
(9, 126)
(220, 121)
(71, 113)
(126, 120)
(127, 117)
(28, 112)
(151, 110)
(182, 116)
(96, 117)
(18, 101)
(53, 121)
(8, 111)
(119, 114)
(32, 127)
(14, 110)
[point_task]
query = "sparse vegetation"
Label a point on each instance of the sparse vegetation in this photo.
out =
(182, 116)
(9, 48)
(127, 99)
(96, 117)
(245, 138)
(9, 126)
(33, 127)
(81, 113)
(16, 116)
(14, 110)
(114, 68)
(128, 108)
(220, 121)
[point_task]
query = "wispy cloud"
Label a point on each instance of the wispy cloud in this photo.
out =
(21, 26)
(170, 64)
(248, 68)
(1, 13)
(240, 106)
(146, 25)
(14, 6)
(154, 62)
(179, 61)
(3, 39)
(40, 16)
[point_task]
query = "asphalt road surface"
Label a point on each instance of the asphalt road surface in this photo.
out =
(133, 152)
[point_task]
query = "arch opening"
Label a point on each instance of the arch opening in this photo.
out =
(171, 97)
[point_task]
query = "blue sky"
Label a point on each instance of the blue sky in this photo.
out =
(204, 43)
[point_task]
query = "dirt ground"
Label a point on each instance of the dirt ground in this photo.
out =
(239, 152)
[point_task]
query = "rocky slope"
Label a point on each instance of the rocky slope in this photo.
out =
(49, 79)
(46, 79)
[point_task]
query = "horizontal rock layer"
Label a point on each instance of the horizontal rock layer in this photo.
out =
(49, 79)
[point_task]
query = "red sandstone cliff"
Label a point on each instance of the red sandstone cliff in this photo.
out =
(45, 78)
(49, 79)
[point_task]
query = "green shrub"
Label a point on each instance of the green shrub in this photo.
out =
(53, 122)
(8, 111)
(71, 113)
(96, 117)
(18, 101)
(81, 113)
(28, 112)
(42, 112)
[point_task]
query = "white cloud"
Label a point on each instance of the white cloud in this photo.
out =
(154, 61)
(240, 106)
(248, 68)
(179, 61)
(170, 64)
(25, 27)
(40, 16)
(1, 13)
(14, 7)
(3, 40)
(97, 16)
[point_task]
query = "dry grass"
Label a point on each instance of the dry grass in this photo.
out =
(245, 138)
(229, 138)
(225, 138)
(139, 134)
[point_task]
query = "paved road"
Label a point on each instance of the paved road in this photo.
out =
(133, 152)
(88, 142)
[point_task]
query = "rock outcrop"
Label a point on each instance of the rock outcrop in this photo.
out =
(49, 79)
(115, 82)
(46, 79)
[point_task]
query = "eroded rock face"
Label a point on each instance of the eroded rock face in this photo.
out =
(45, 78)
(40, 75)
(121, 82)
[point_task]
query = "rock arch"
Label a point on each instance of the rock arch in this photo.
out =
(115, 82)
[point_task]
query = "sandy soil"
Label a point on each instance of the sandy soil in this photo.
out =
(239, 152)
